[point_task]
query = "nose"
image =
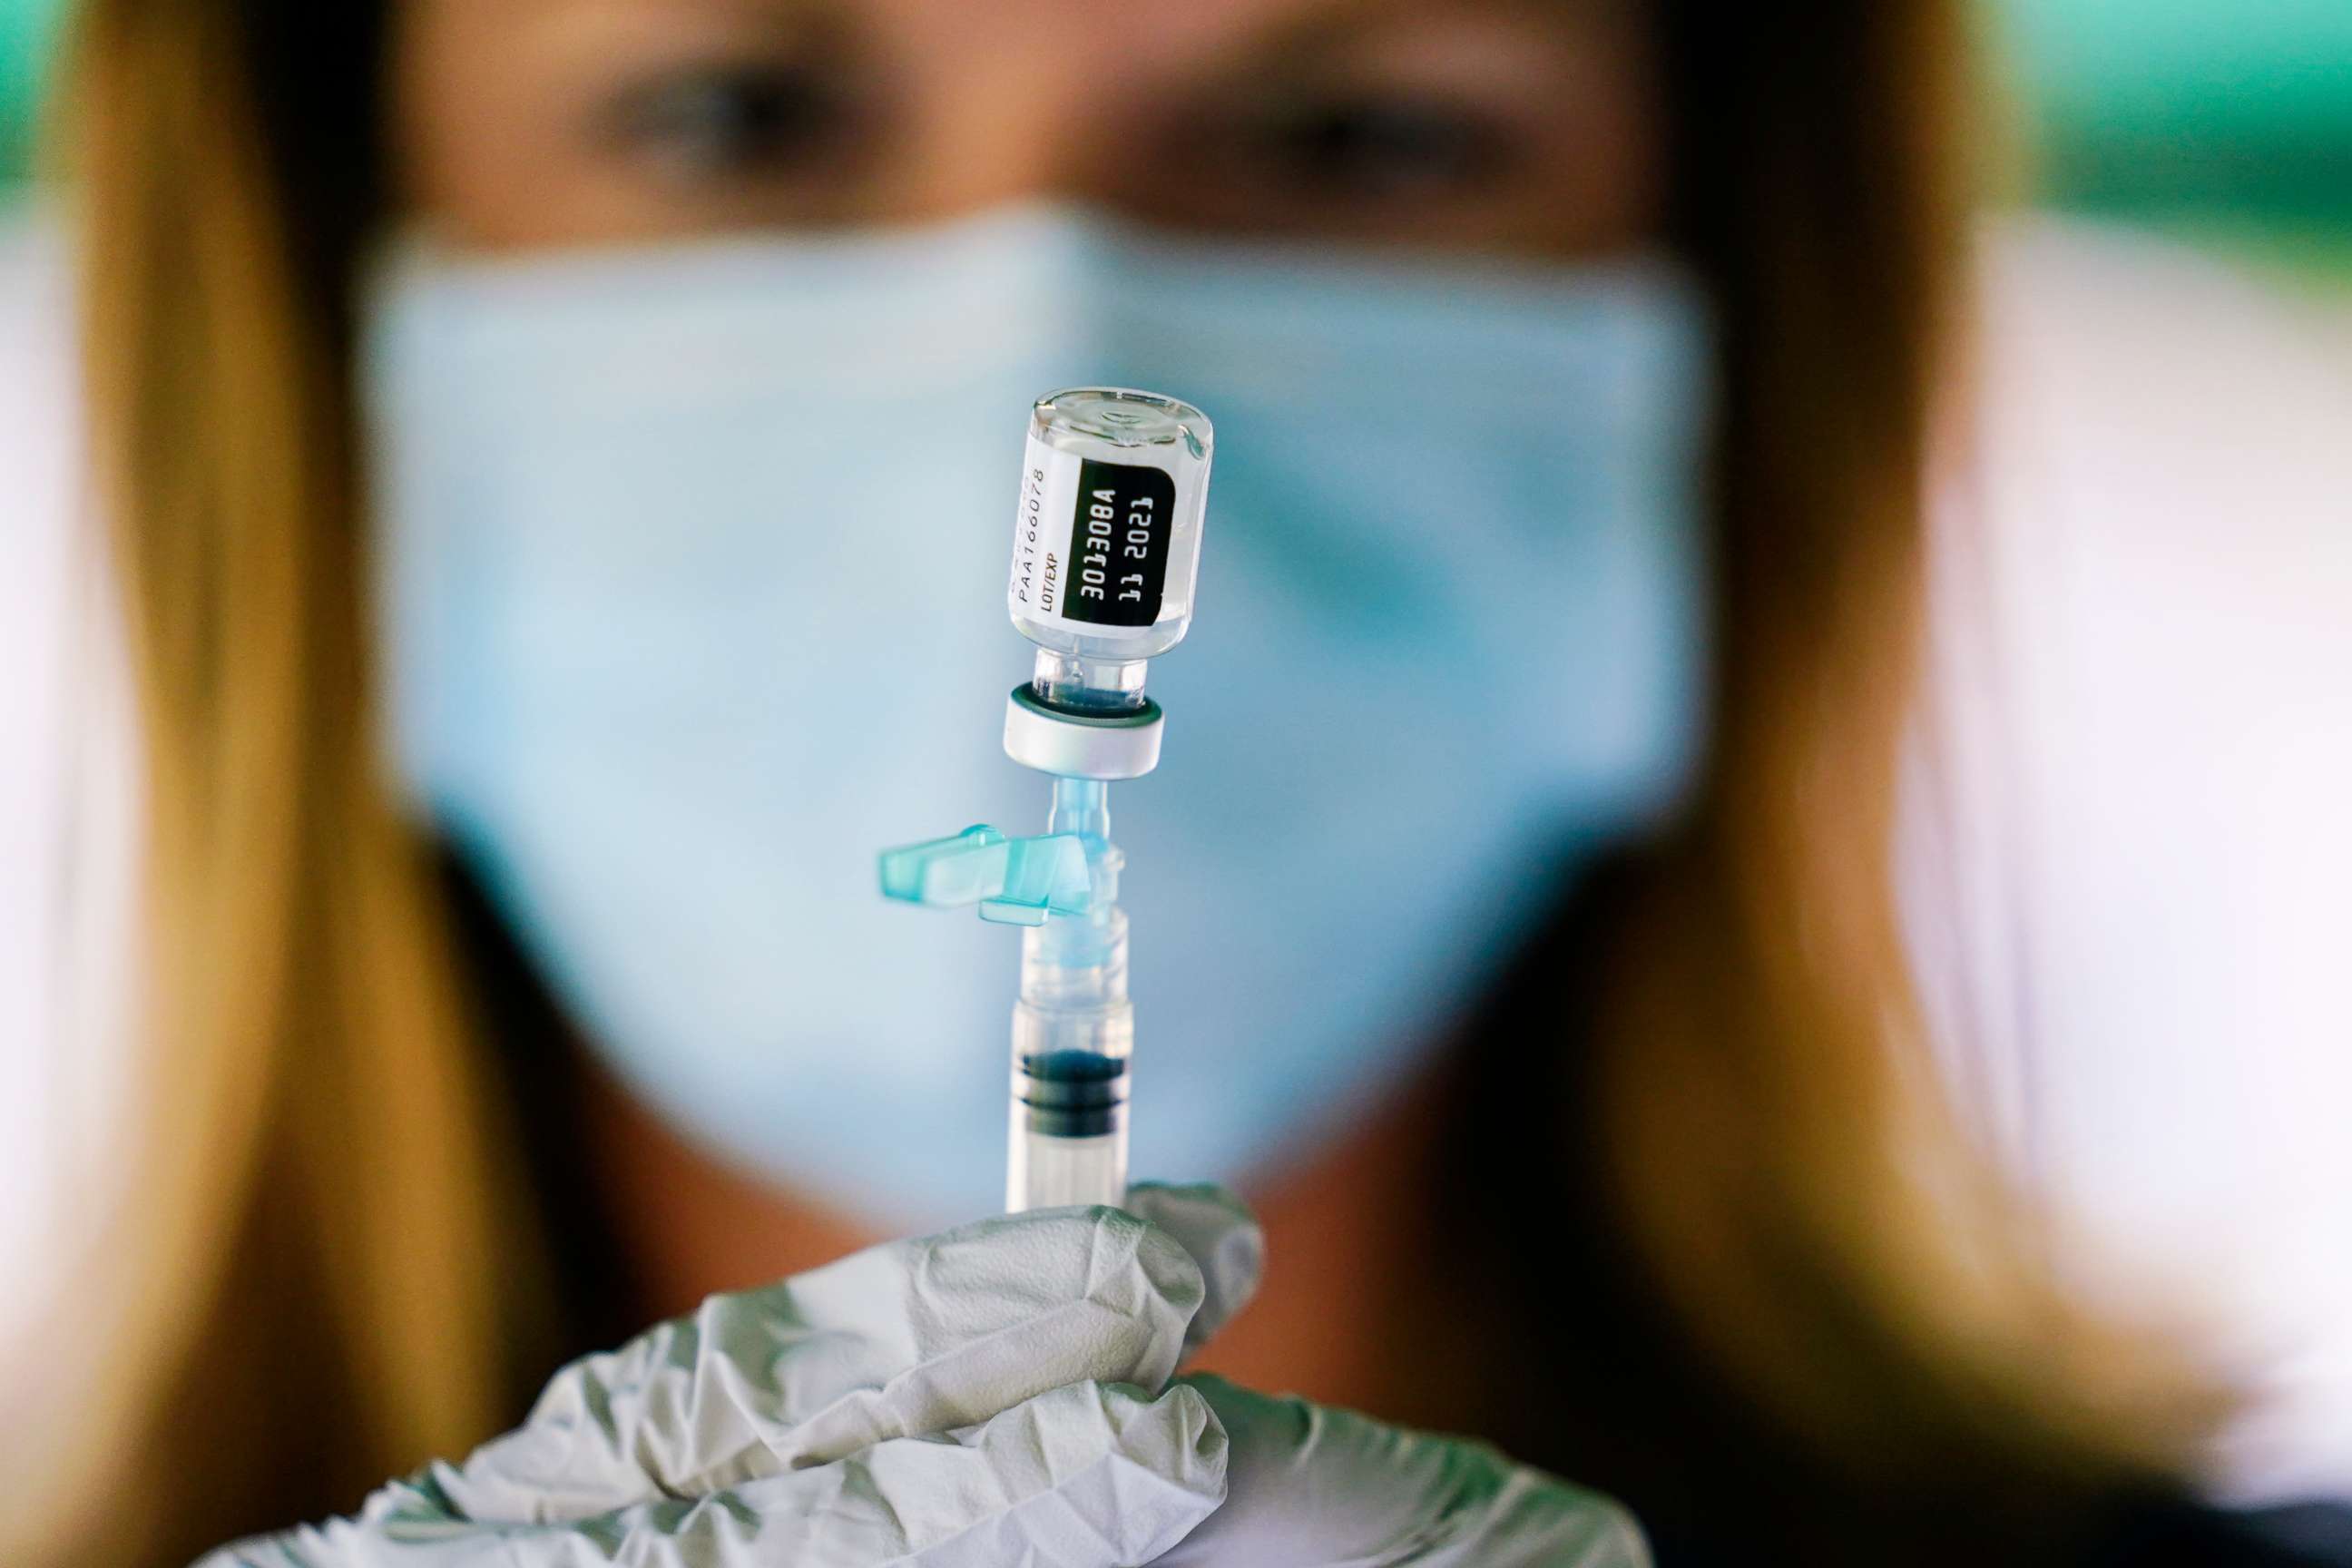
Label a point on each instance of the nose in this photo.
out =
(1010, 125)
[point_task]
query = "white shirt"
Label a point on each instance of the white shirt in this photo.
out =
(2125, 854)
(69, 813)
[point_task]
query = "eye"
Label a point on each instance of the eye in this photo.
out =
(731, 120)
(1383, 148)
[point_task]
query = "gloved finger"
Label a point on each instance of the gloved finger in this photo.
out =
(1218, 1229)
(907, 1337)
(1308, 1486)
(1082, 1477)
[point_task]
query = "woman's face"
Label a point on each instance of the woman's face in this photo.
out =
(1524, 126)
(628, 703)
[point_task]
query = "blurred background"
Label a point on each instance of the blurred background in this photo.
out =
(2226, 121)
(2225, 125)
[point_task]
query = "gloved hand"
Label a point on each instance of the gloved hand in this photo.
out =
(982, 1397)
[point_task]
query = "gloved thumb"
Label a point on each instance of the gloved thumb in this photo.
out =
(1223, 1236)
(1307, 1485)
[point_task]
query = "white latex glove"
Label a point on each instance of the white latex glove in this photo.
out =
(1308, 1485)
(982, 1397)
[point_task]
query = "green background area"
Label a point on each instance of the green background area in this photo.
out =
(2226, 118)
(27, 27)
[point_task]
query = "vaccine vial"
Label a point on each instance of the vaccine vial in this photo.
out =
(1106, 541)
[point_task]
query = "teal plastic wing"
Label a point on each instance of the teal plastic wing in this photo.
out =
(1014, 881)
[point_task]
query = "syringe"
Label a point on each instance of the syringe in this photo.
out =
(1105, 550)
(1073, 1030)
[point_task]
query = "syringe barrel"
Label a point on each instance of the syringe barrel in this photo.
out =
(1107, 537)
(1073, 1033)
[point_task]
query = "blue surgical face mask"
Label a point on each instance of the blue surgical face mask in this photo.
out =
(692, 570)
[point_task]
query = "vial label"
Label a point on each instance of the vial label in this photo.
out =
(1090, 541)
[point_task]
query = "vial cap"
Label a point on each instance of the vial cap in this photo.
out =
(1080, 746)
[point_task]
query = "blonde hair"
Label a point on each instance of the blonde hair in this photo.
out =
(306, 1277)
(1776, 1143)
(325, 1181)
